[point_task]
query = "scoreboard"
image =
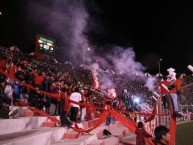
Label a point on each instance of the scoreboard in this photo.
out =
(45, 45)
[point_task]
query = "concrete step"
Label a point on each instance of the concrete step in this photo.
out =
(111, 140)
(30, 114)
(99, 130)
(82, 140)
(72, 135)
(29, 130)
(21, 110)
(49, 124)
(86, 139)
(86, 125)
(41, 136)
(20, 124)
(129, 138)
(117, 133)
(97, 142)
(96, 136)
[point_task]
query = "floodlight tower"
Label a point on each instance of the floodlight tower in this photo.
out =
(159, 66)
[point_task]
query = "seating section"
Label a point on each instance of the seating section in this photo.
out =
(37, 130)
(20, 124)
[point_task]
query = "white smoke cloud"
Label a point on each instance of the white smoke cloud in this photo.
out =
(67, 20)
(120, 61)
(125, 62)
(64, 19)
(150, 83)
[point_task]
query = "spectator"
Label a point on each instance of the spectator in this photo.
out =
(64, 108)
(141, 133)
(9, 93)
(164, 91)
(4, 111)
(162, 135)
(82, 107)
(108, 119)
(75, 96)
(173, 93)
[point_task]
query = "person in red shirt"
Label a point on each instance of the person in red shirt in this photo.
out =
(64, 108)
(13, 69)
(38, 80)
(163, 84)
(174, 94)
(141, 133)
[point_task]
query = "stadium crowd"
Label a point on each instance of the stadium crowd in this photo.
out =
(53, 77)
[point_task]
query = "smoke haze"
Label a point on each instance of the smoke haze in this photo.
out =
(65, 20)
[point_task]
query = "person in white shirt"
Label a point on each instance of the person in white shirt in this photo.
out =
(82, 108)
(8, 90)
(75, 96)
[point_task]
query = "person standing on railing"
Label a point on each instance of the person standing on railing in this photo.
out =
(174, 90)
(164, 92)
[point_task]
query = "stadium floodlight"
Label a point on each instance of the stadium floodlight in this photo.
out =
(88, 49)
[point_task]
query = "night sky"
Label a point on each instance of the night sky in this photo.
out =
(155, 30)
